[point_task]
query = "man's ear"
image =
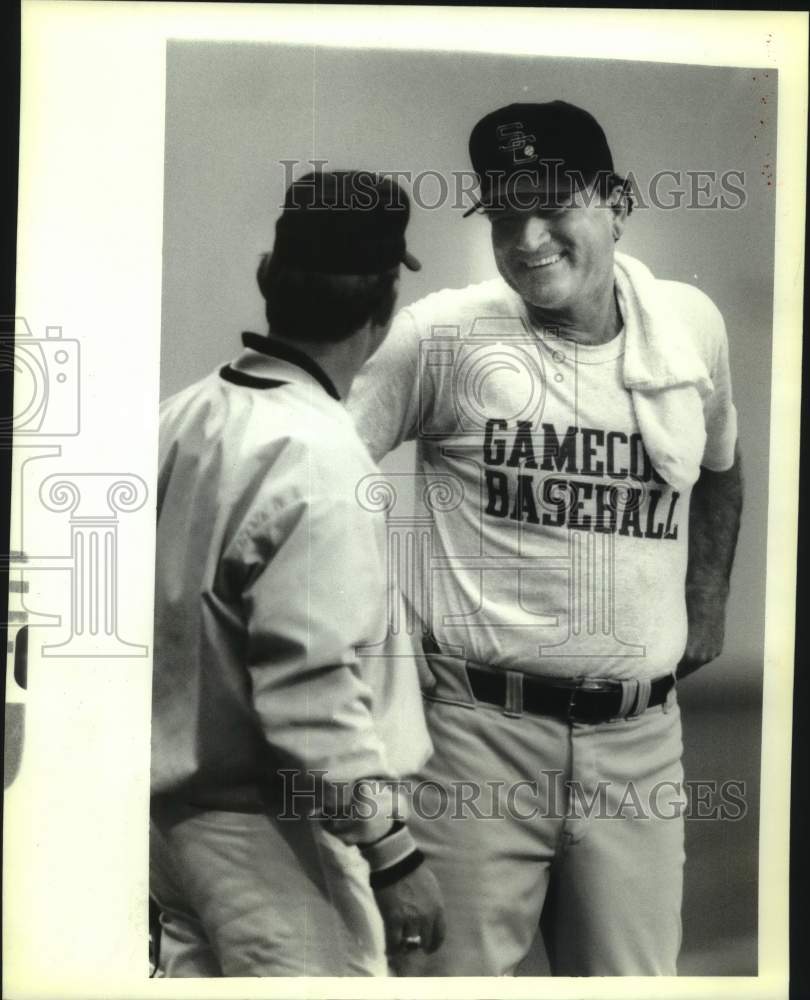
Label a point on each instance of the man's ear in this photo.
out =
(619, 206)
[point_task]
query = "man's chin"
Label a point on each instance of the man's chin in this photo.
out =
(544, 295)
(540, 292)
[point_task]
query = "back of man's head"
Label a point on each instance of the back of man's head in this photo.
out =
(334, 266)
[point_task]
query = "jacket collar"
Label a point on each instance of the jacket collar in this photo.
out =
(285, 352)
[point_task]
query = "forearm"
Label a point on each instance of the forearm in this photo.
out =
(319, 727)
(714, 521)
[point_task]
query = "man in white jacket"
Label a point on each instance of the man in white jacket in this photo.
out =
(266, 724)
(582, 409)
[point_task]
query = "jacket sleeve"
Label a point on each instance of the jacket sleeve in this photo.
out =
(314, 591)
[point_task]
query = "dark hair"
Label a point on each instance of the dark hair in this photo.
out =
(315, 307)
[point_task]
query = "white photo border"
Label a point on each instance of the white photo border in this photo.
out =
(91, 167)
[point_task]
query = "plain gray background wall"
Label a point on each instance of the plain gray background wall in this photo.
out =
(235, 110)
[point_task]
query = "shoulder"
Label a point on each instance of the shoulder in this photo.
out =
(692, 303)
(295, 429)
(186, 398)
(397, 360)
(321, 445)
(460, 306)
(308, 467)
(697, 315)
(190, 408)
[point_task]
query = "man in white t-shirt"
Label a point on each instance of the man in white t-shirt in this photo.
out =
(580, 411)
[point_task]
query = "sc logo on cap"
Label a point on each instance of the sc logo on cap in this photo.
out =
(518, 142)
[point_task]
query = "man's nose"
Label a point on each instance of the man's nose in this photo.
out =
(533, 234)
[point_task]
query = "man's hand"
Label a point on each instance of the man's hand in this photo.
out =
(412, 908)
(706, 612)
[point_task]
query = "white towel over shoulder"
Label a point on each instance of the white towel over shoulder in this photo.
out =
(673, 337)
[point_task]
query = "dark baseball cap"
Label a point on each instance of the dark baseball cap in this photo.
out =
(344, 222)
(550, 149)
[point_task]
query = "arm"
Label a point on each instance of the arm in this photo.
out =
(304, 617)
(386, 394)
(714, 520)
(316, 594)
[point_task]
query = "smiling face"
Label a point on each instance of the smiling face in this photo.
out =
(559, 260)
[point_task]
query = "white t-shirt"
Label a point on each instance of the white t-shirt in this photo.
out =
(564, 553)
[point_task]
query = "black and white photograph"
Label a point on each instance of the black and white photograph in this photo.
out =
(469, 420)
(558, 552)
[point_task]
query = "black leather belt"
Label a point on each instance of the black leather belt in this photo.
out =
(572, 701)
